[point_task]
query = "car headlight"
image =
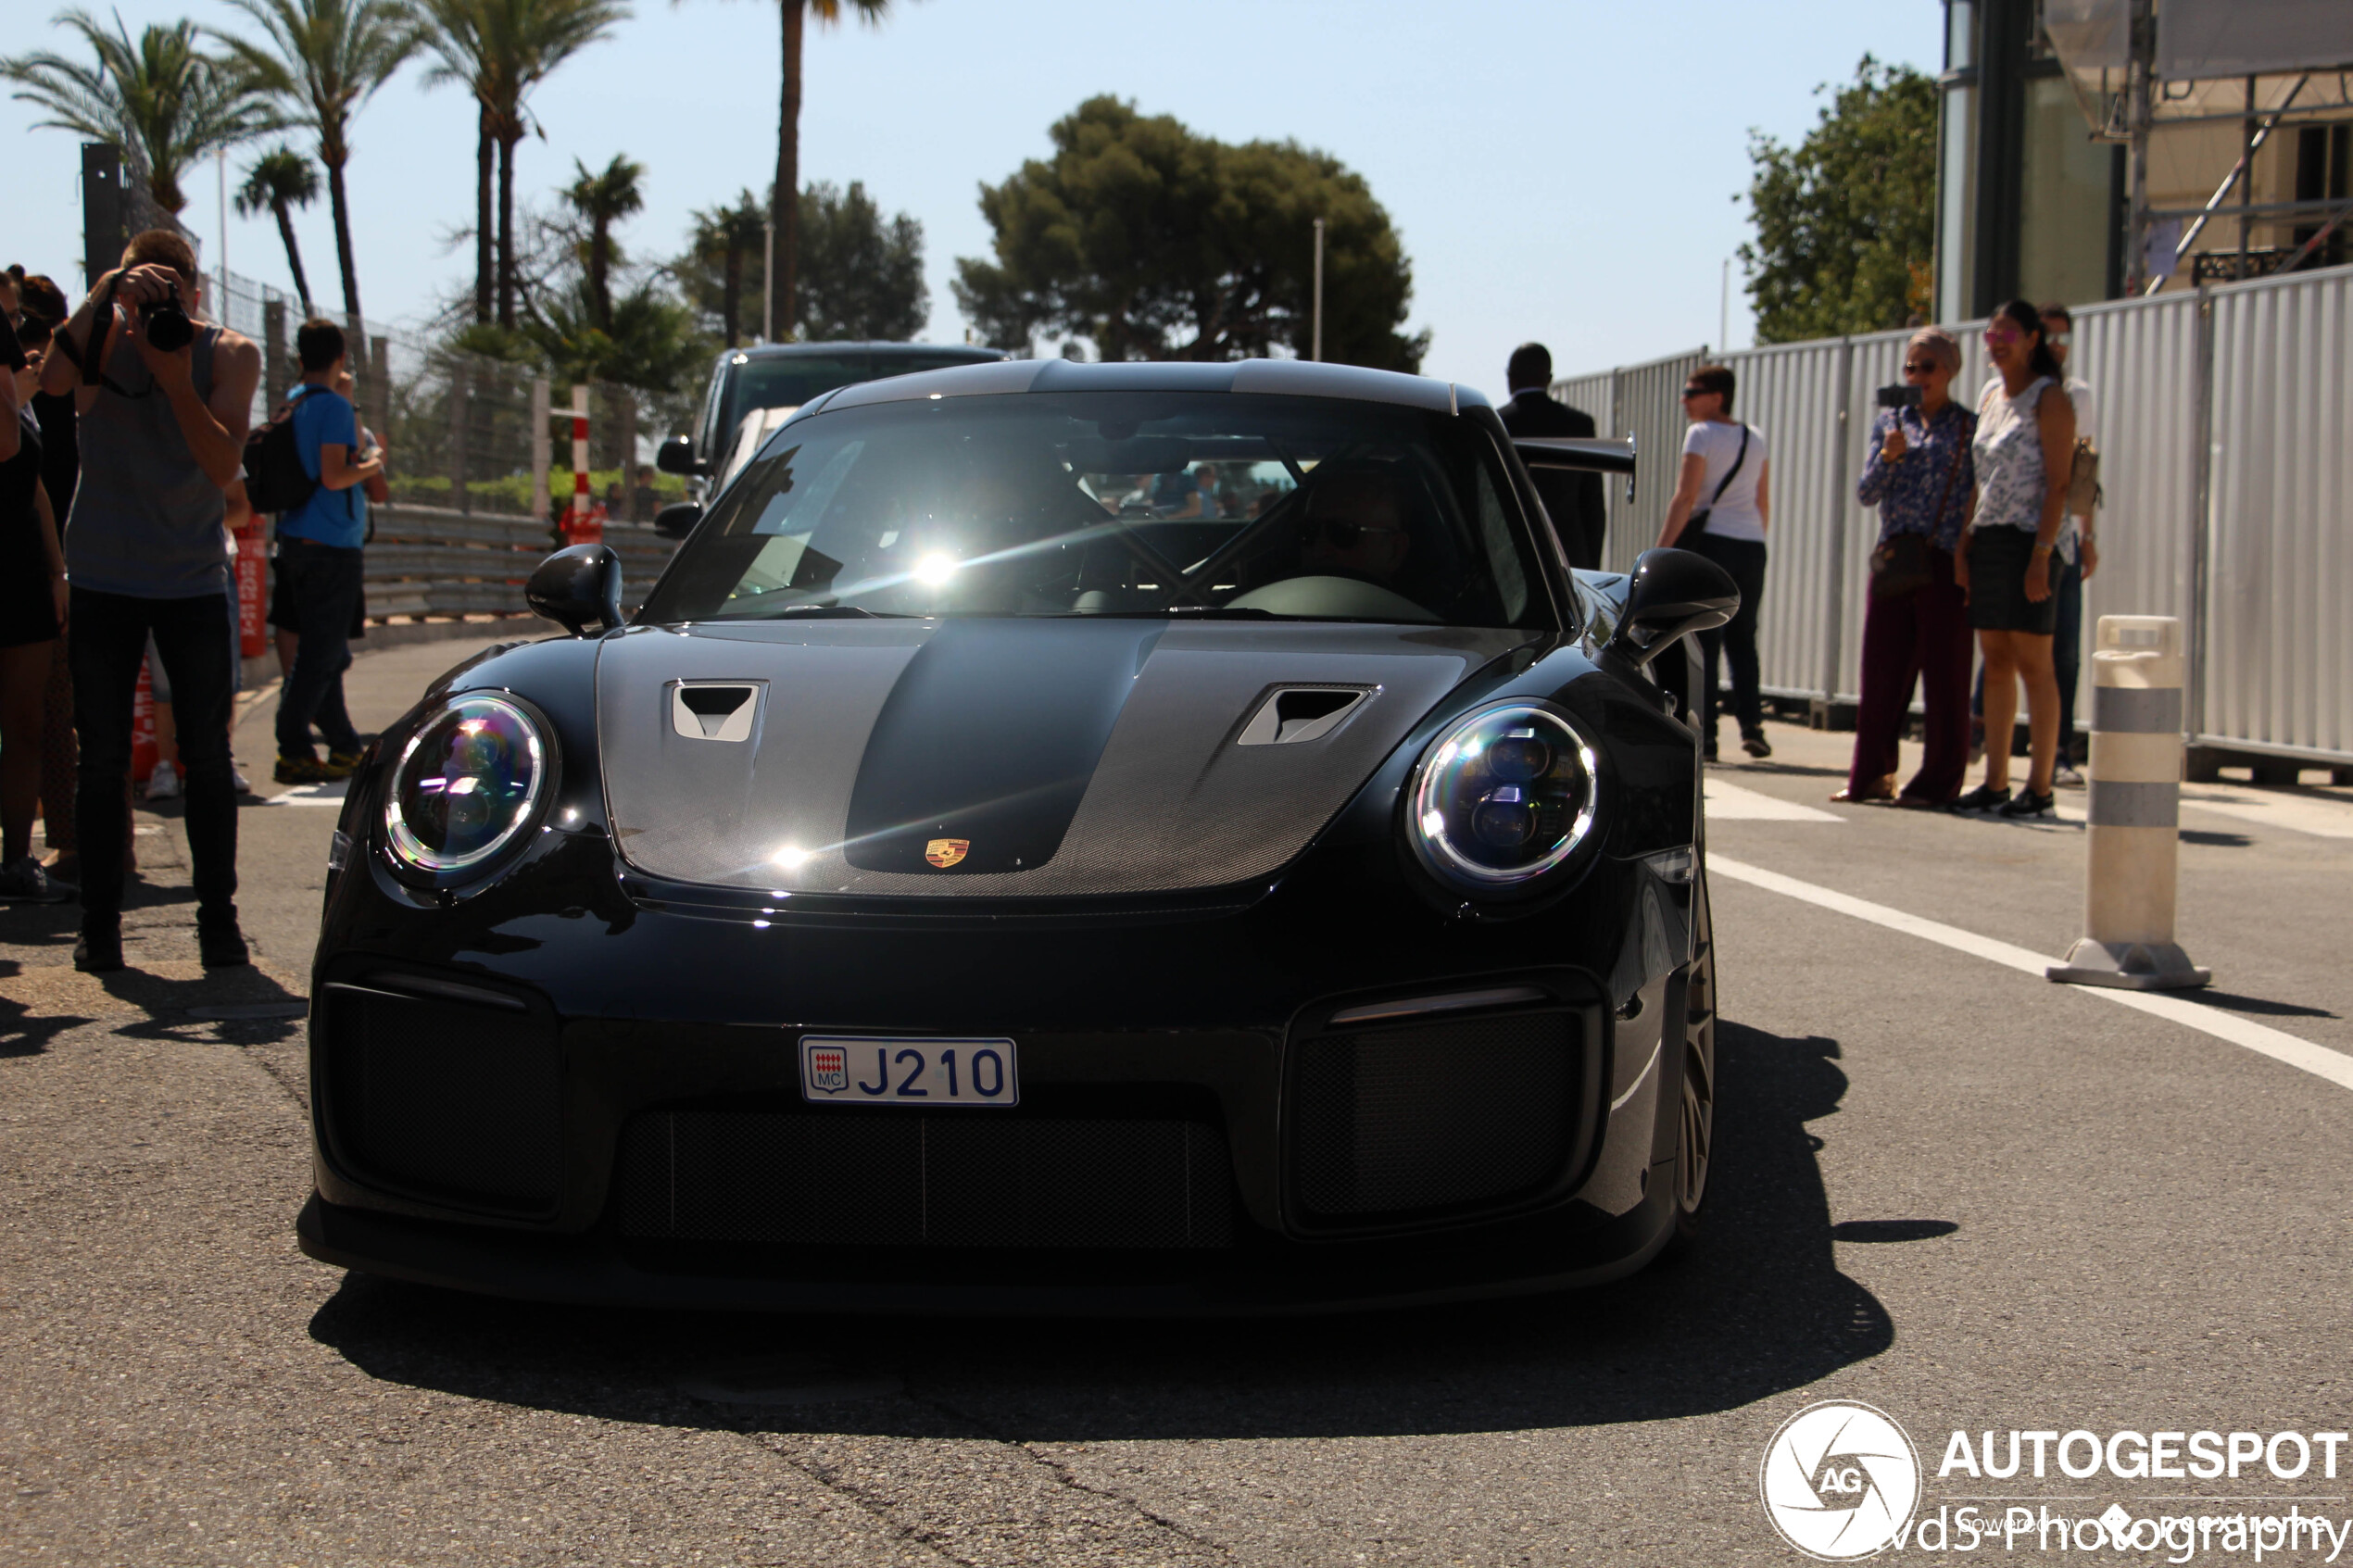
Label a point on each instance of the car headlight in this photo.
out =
(471, 781)
(1503, 798)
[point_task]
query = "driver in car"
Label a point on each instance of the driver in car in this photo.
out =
(1356, 527)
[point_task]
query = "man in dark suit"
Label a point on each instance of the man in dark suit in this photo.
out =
(1574, 500)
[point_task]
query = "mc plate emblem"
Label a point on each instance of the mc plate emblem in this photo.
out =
(828, 1069)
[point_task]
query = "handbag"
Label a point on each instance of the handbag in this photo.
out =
(2083, 479)
(1697, 522)
(1900, 564)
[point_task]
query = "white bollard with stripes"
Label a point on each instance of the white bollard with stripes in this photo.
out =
(2133, 848)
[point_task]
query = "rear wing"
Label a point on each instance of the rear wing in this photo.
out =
(1579, 454)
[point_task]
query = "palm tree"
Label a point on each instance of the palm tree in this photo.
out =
(280, 181)
(160, 100)
(324, 58)
(784, 197)
(603, 199)
(499, 50)
(723, 237)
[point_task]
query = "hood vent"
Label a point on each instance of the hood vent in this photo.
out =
(715, 710)
(1292, 714)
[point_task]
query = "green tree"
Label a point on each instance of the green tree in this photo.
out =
(786, 214)
(161, 100)
(323, 58)
(862, 274)
(592, 315)
(1846, 218)
(862, 277)
(724, 248)
(277, 182)
(600, 201)
(1155, 243)
(499, 50)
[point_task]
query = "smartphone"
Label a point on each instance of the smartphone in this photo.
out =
(1899, 397)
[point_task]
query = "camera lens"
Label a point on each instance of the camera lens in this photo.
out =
(167, 328)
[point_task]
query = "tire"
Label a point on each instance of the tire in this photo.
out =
(1696, 1120)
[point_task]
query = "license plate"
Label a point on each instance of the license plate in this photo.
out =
(866, 1071)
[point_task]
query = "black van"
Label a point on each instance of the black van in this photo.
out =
(773, 379)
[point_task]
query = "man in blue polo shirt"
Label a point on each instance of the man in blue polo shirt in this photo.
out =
(319, 563)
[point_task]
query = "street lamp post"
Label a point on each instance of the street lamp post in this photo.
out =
(767, 289)
(1316, 338)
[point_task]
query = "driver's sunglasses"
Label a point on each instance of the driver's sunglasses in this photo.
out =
(1345, 533)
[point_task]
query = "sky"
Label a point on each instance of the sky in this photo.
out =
(1558, 170)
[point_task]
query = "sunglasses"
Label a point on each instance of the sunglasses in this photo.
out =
(1917, 367)
(2058, 340)
(1344, 534)
(2003, 334)
(1690, 392)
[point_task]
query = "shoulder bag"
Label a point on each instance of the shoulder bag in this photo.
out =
(2083, 479)
(1900, 564)
(1697, 522)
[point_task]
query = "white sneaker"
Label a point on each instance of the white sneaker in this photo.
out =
(237, 782)
(2066, 777)
(164, 783)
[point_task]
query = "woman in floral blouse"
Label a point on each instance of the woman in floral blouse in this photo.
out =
(1920, 476)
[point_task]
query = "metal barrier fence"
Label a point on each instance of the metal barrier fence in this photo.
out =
(471, 433)
(434, 562)
(2223, 420)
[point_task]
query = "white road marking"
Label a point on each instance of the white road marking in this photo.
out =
(2320, 1061)
(312, 794)
(1730, 803)
(2298, 814)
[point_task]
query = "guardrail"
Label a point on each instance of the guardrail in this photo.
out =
(2227, 471)
(429, 561)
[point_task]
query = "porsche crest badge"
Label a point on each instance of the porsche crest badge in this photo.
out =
(946, 852)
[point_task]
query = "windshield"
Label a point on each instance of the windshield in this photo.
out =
(1115, 503)
(788, 381)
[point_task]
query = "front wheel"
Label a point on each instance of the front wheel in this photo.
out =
(1695, 1122)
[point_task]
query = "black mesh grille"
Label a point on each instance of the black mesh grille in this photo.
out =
(1435, 1115)
(459, 1102)
(912, 1180)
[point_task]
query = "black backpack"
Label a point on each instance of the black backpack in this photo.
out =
(275, 479)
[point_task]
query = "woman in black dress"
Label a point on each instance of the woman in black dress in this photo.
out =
(33, 607)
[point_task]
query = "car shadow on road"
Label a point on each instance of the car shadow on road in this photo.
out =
(1757, 1309)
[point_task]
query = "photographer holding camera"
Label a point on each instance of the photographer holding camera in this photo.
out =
(164, 400)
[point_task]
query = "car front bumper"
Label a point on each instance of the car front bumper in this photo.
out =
(560, 1090)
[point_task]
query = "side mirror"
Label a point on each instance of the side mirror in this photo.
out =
(677, 456)
(577, 586)
(677, 519)
(1672, 594)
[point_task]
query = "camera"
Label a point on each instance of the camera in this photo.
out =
(1899, 397)
(166, 324)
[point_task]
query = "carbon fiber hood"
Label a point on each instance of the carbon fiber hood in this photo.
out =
(997, 757)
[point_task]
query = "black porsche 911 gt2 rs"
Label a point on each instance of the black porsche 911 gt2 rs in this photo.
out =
(1152, 838)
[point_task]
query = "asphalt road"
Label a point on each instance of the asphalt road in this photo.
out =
(1955, 1191)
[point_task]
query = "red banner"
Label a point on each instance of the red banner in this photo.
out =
(253, 589)
(142, 727)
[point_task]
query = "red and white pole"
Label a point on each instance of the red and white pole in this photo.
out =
(580, 526)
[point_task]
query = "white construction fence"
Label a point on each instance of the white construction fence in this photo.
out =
(2225, 423)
